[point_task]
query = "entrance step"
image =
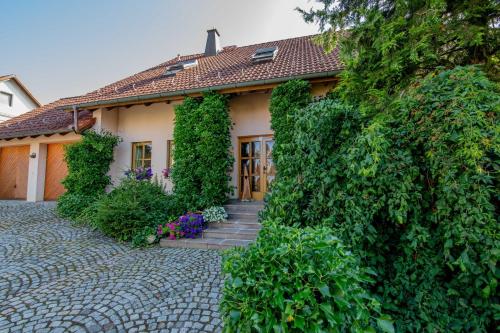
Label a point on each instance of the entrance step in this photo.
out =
(204, 243)
(231, 233)
(240, 229)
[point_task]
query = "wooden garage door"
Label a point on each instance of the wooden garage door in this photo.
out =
(14, 163)
(55, 171)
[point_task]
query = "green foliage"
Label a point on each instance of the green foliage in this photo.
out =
(145, 237)
(131, 207)
(88, 163)
(202, 152)
(286, 100)
(215, 159)
(297, 280)
(187, 184)
(413, 191)
(387, 43)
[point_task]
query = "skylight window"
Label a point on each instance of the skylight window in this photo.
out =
(265, 54)
(173, 69)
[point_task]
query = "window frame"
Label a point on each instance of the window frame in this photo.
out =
(10, 96)
(170, 153)
(143, 145)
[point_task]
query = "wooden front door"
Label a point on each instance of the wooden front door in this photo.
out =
(55, 171)
(14, 162)
(255, 155)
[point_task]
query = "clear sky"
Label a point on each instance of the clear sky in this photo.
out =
(62, 48)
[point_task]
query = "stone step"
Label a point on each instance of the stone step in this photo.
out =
(231, 233)
(235, 208)
(204, 243)
(243, 216)
(249, 224)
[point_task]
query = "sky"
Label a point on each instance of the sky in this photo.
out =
(63, 48)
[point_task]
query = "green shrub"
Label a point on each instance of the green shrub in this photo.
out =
(131, 207)
(88, 163)
(186, 180)
(296, 280)
(286, 100)
(215, 159)
(413, 191)
(70, 205)
(202, 155)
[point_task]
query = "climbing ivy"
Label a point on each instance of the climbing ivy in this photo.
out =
(202, 153)
(413, 191)
(88, 163)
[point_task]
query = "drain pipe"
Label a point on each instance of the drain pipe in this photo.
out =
(75, 120)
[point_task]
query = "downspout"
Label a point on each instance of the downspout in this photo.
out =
(75, 120)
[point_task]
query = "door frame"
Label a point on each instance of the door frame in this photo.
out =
(241, 139)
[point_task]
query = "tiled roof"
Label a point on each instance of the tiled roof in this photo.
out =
(47, 119)
(296, 58)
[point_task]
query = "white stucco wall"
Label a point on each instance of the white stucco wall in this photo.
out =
(21, 102)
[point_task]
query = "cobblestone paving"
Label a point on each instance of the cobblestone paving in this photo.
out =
(55, 277)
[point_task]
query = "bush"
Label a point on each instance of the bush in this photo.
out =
(296, 280)
(70, 205)
(286, 100)
(88, 163)
(133, 206)
(413, 191)
(202, 153)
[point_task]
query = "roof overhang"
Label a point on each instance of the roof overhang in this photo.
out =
(226, 88)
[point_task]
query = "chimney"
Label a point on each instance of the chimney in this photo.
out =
(213, 43)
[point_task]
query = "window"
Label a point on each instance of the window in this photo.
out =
(170, 153)
(5, 98)
(141, 155)
(265, 54)
(173, 69)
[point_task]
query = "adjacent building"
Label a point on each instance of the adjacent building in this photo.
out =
(15, 98)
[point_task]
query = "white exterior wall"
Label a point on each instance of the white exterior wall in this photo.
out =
(21, 102)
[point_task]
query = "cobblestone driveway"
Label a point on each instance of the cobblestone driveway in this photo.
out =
(58, 278)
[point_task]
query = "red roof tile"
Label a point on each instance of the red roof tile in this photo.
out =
(296, 58)
(47, 119)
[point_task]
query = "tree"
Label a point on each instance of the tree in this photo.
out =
(385, 44)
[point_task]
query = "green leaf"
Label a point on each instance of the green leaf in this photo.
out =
(237, 283)
(385, 324)
(325, 291)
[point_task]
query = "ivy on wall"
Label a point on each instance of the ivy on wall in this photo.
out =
(202, 153)
(413, 191)
(88, 163)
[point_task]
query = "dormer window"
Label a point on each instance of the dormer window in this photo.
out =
(5, 98)
(265, 54)
(173, 69)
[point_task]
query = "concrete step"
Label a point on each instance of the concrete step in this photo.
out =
(231, 233)
(238, 208)
(243, 216)
(204, 243)
(248, 224)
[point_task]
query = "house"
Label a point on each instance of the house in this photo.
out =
(140, 109)
(15, 98)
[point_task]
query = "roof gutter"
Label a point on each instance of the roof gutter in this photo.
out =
(141, 98)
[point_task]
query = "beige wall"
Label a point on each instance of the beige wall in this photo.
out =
(249, 113)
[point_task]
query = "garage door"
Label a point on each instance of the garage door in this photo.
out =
(14, 163)
(55, 171)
